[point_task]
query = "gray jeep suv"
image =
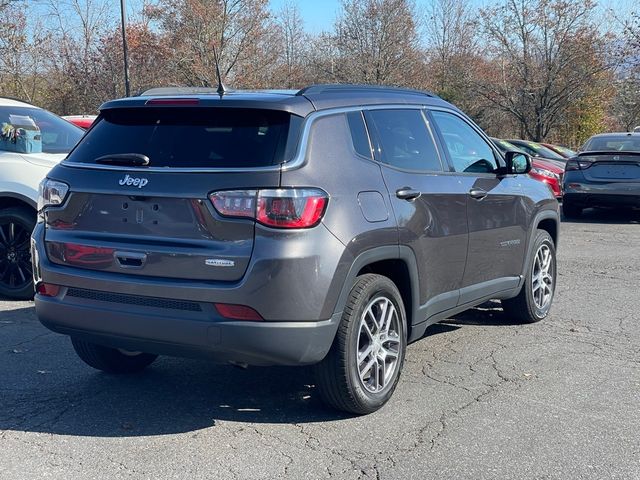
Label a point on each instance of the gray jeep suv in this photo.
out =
(329, 226)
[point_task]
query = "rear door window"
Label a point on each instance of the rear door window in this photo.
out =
(403, 140)
(193, 137)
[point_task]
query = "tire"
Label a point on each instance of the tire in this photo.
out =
(569, 210)
(535, 298)
(111, 360)
(16, 277)
(338, 376)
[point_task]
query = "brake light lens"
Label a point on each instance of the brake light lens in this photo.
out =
(577, 165)
(238, 312)
(235, 203)
(278, 208)
(173, 101)
(543, 172)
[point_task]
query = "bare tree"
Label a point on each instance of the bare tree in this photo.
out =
(293, 46)
(626, 103)
(240, 30)
(77, 27)
(377, 42)
(451, 34)
(22, 63)
(546, 55)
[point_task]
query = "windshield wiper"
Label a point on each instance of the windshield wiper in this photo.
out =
(124, 159)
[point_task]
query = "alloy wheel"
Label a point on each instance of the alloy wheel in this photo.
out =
(15, 257)
(379, 344)
(542, 277)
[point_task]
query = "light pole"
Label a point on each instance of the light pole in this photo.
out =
(125, 52)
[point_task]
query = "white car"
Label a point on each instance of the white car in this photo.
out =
(32, 140)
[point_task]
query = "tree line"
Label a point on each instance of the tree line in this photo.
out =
(554, 70)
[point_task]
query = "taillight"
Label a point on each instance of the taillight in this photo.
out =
(47, 289)
(235, 203)
(51, 192)
(237, 312)
(279, 208)
(577, 165)
(543, 172)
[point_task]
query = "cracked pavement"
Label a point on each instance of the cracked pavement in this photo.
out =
(479, 398)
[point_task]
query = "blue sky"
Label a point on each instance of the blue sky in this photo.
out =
(318, 15)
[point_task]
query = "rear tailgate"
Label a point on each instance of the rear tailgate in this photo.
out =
(168, 229)
(157, 220)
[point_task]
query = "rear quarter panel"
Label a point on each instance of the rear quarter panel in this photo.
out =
(332, 164)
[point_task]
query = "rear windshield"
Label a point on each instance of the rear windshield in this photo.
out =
(193, 137)
(623, 143)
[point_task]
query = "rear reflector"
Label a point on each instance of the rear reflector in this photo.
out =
(173, 101)
(279, 208)
(237, 312)
(47, 289)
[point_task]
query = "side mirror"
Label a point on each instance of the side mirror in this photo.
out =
(517, 163)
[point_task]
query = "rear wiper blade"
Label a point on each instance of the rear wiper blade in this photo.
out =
(125, 159)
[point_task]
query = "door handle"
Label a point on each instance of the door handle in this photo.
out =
(407, 193)
(477, 193)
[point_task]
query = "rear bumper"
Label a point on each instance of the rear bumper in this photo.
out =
(582, 192)
(187, 334)
(177, 317)
(602, 199)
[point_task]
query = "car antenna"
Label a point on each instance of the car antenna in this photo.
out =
(221, 88)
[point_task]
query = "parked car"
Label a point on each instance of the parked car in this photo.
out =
(82, 121)
(560, 150)
(543, 170)
(328, 226)
(549, 173)
(606, 173)
(537, 150)
(32, 140)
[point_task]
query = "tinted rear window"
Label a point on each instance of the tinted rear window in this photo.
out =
(623, 143)
(193, 137)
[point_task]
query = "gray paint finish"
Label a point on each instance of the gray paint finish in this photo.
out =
(457, 250)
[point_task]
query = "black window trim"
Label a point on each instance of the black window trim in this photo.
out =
(374, 141)
(441, 142)
(371, 156)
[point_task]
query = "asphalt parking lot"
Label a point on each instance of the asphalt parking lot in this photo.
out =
(480, 397)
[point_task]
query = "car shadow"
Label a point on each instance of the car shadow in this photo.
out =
(607, 216)
(47, 389)
(488, 314)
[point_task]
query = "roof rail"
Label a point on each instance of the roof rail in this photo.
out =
(344, 88)
(178, 91)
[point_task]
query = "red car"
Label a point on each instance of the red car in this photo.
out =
(548, 172)
(82, 121)
(542, 169)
